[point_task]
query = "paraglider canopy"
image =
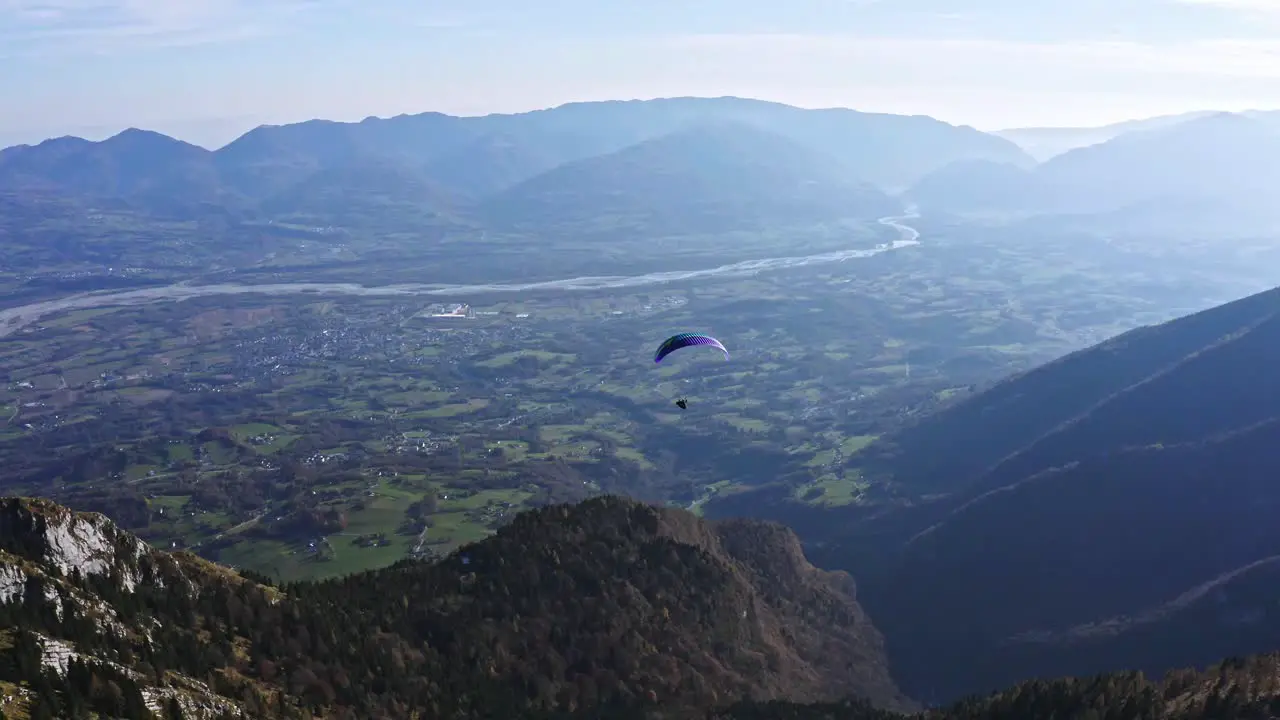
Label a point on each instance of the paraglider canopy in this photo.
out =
(683, 340)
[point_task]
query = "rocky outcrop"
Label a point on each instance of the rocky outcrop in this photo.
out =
(59, 571)
(74, 543)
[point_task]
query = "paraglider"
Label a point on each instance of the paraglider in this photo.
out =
(683, 340)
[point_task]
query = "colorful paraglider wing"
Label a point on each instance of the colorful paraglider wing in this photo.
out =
(683, 340)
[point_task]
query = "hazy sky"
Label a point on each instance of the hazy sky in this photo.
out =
(205, 70)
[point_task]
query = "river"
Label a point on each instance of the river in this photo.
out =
(13, 319)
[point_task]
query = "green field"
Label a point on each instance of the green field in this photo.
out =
(250, 427)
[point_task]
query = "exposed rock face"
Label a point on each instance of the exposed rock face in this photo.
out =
(53, 536)
(12, 580)
(57, 570)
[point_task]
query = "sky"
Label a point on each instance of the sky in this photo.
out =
(207, 70)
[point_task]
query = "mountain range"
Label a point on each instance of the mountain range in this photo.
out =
(711, 157)
(697, 164)
(1224, 162)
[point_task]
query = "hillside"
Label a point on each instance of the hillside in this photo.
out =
(490, 164)
(361, 193)
(605, 603)
(1064, 397)
(712, 178)
(1111, 509)
(1221, 157)
(973, 186)
(1239, 689)
(597, 609)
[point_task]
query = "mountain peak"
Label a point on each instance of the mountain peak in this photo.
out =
(65, 141)
(133, 132)
(756, 586)
(139, 140)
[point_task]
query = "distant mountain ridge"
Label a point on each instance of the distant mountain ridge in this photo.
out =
(1043, 143)
(1226, 160)
(884, 149)
(470, 159)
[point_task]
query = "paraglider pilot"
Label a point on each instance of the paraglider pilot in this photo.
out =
(682, 340)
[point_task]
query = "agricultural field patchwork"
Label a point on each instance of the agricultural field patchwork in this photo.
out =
(311, 435)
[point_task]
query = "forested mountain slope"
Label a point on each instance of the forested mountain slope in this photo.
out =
(1112, 509)
(605, 609)
(607, 603)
